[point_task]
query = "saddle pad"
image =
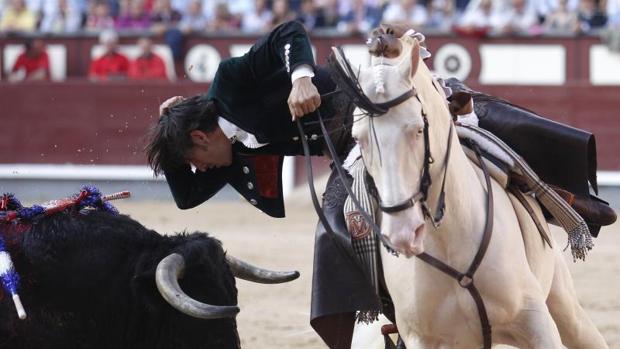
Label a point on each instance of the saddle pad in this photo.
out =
(498, 173)
(579, 236)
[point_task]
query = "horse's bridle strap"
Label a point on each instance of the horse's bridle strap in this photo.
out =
(466, 280)
(425, 183)
(396, 101)
(403, 205)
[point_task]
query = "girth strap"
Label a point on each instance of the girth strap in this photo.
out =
(466, 280)
(521, 197)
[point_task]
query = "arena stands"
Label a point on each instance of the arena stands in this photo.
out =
(337, 16)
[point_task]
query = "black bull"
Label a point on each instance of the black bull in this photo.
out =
(100, 280)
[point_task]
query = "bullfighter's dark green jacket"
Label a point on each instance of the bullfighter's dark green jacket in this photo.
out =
(251, 92)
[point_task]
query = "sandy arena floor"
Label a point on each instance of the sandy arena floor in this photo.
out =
(277, 316)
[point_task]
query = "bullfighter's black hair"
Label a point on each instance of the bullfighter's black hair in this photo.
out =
(169, 140)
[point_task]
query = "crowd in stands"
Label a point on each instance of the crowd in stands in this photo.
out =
(178, 17)
(172, 19)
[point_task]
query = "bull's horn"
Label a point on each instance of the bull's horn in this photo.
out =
(249, 272)
(168, 272)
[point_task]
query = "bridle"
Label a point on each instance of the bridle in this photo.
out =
(425, 181)
(348, 83)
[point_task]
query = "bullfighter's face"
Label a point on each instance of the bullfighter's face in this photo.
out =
(211, 150)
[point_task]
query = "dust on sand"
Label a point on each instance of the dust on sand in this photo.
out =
(277, 316)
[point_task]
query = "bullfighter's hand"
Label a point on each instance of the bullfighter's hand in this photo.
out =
(304, 98)
(169, 103)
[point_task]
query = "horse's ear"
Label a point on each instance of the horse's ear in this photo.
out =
(415, 57)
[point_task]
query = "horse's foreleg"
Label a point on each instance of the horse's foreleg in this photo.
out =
(533, 328)
(575, 326)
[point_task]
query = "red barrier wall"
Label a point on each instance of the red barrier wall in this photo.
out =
(81, 122)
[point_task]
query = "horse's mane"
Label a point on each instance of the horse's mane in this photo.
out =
(347, 80)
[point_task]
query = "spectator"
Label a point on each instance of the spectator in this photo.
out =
(99, 17)
(165, 21)
(181, 5)
(16, 17)
(440, 15)
(194, 19)
(308, 14)
(115, 7)
(327, 14)
(461, 6)
(613, 13)
(148, 65)
(36, 6)
(259, 20)
(234, 8)
(561, 20)
(133, 16)
(590, 16)
(359, 16)
(477, 20)
(519, 19)
(238, 8)
(409, 11)
(61, 16)
(281, 12)
(223, 20)
(164, 17)
(32, 64)
(545, 7)
(111, 65)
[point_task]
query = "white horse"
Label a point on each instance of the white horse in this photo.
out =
(525, 284)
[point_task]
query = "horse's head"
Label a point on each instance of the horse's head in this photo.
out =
(395, 145)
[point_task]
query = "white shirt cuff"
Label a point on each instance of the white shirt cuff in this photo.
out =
(469, 119)
(302, 71)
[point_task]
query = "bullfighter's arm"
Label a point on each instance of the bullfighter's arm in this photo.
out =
(191, 189)
(286, 47)
(290, 45)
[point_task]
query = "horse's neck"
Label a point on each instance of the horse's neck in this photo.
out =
(464, 218)
(465, 200)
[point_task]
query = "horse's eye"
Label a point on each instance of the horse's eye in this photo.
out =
(420, 131)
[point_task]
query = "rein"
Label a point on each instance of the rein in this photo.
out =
(341, 175)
